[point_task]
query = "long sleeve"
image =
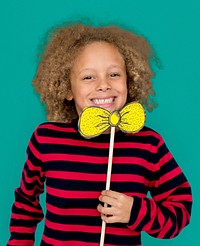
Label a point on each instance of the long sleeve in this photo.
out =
(26, 210)
(168, 211)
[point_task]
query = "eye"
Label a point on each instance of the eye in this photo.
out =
(88, 77)
(114, 75)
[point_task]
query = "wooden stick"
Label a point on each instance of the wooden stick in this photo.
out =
(108, 178)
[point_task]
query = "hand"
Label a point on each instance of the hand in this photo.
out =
(120, 209)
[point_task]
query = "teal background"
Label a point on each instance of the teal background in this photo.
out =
(173, 29)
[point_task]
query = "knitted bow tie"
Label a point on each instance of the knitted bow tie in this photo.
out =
(95, 120)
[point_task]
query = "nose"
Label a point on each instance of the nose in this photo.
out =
(103, 85)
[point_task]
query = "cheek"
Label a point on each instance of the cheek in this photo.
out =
(125, 94)
(124, 89)
(81, 93)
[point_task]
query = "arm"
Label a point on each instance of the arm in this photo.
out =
(166, 213)
(26, 210)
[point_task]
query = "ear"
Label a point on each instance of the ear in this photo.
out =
(69, 96)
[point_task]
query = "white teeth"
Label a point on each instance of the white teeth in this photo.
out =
(103, 101)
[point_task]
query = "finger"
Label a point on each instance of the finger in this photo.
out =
(111, 193)
(109, 219)
(106, 210)
(108, 200)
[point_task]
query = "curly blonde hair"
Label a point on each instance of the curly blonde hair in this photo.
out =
(52, 80)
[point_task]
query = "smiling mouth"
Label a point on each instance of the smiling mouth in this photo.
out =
(103, 101)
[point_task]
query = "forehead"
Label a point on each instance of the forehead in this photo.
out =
(98, 50)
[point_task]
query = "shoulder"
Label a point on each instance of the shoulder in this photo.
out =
(149, 131)
(49, 128)
(148, 135)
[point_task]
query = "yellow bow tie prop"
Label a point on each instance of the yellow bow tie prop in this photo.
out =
(94, 120)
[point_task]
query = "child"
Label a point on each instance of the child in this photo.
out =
(106, 67)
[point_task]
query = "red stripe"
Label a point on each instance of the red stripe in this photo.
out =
(31, 180)
(30, 192)
(148, 133)
(21, 229)
(171, 207)
(90, 229)
(32, 167)
(141, 214)
(75, 176)
(75, 158)
(72, 142)
(78, 143)
(134, 161)
(28, 208)
(71, 243)
(166, 194)
(154, 211)
(167, 226)
(72, 228)
(71, 129)
(99, 160)
(95, 177)
(145, 133)
(57, 128)
(185, 218)
(82, 194)
(16, 242)
(72, 211)
(165, 159)
(22, 217)
(73, 194)
(160, 219)
(181, 198)
(170, 175)
(35, 152)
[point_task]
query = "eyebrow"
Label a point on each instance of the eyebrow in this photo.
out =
(112, 66)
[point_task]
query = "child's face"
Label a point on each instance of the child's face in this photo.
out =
(98, 78)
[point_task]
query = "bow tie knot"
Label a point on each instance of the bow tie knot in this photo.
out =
(114, 118)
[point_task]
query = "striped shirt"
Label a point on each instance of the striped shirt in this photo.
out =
(74, 169)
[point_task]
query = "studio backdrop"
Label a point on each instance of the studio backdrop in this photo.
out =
(172, 27)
